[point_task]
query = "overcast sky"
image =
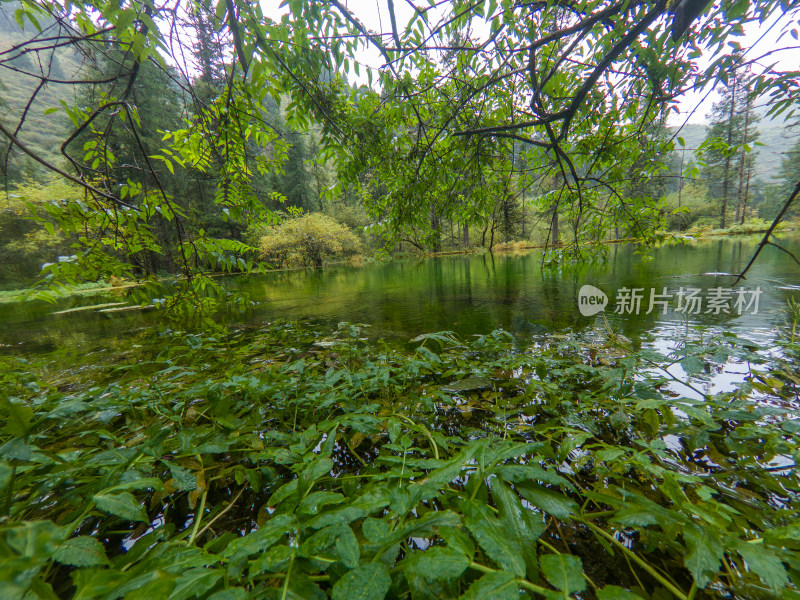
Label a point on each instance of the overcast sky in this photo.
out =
(772, 34)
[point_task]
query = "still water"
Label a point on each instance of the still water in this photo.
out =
(471, 294)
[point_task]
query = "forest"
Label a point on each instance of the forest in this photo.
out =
(266, 315)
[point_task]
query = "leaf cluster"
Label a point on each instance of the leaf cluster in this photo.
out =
(279, 463)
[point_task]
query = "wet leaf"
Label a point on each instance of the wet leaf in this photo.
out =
(692, 365)
(368, 582)
(437, 563)
(122, 505)
(493, 586)
(704, 552)
(550, 502)
(81, 551)
(614, 592)
(765, 563)
(505, 551)
(564, 572)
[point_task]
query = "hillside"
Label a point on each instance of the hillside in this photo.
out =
(775, 137)
(44, 133)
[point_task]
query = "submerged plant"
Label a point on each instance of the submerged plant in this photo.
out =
(269, 465)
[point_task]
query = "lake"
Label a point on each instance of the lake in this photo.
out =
(469, 294)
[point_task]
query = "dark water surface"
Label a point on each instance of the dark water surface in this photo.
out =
(471, 294)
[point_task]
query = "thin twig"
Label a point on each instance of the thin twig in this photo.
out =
(767, 235)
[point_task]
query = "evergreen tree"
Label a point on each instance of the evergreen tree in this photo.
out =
(125, 142)
(119, 130)
(727, 148)
(296, 181)
(208, 46)
(789, 176)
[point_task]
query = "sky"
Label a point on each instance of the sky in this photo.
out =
(760, 38)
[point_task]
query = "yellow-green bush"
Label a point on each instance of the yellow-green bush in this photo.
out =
(26, 243)
(307, 240)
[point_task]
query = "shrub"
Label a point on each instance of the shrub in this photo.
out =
(520, 246)
(24, 243)
(307, 240)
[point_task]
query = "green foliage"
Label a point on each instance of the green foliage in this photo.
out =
(688, 205)
(42, 125)
(774, 136)
(25, 243)
(281, 463)
(484, 114)
(307, 240)
(728, 152)
(790, 175)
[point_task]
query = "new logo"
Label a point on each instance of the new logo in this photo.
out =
(591, 300)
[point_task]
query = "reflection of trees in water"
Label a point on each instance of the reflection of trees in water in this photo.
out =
(468, 294)
(475, 294)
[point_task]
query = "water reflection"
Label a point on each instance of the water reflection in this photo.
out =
(467, 294)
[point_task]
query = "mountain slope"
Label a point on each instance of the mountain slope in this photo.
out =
(776, 139)
(43, 133)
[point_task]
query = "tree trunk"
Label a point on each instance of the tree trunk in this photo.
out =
(746, 189)
(506, 214)
(437, 244)
(743, 164)
(726, 172)
(554, 228)
(680, 192)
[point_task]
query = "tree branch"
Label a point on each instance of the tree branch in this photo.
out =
(765, 241)
(10, 135)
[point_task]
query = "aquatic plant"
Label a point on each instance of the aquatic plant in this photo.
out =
(279, 463)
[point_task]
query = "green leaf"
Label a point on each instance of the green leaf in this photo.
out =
(230, 594)
(368, 582)
(488, 531)
(317, 468)
(183, 478)
(374, 529)
(764, 563)
(17, 416)
(704, 551)
(458, 539)
(122, 505)
(692, 365)
(142, 483)
(312, 503)
(347, 548)
(564, 572)
(614, 592)
(194, 583)
(437, 563)
(550, 502)
(493, 586)
(273, 560)
(261, 539)
(519, 523)
(300, 588)
(81, 551)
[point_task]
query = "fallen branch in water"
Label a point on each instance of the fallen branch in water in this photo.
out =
(765, 241)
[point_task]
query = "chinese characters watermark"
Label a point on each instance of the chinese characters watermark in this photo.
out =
(685, 301)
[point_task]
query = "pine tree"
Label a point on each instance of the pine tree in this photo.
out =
(790, 175)
(727, 148)
(208, 50)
